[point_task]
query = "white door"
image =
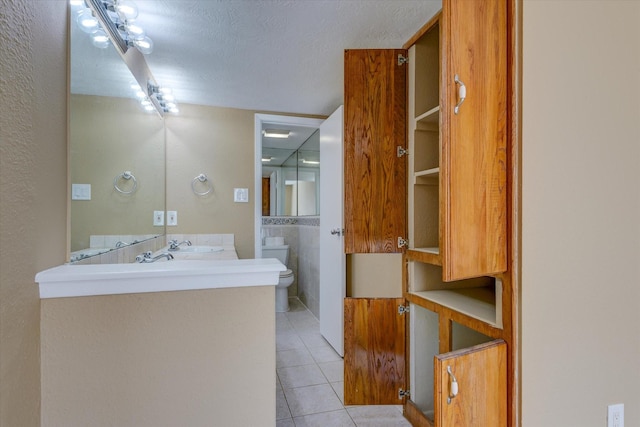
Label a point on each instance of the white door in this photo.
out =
(332, 258)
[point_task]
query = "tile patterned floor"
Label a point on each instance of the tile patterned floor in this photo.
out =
(309, 388)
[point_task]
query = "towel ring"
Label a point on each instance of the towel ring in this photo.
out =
(205, 181)
(126, 175)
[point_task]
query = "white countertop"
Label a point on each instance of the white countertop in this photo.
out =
(206, 272)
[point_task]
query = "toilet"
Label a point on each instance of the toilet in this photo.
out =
(281, 253)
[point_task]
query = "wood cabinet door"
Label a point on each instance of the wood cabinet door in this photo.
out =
(473, 184)
(374, 351)
(375, 183)
(481, 376)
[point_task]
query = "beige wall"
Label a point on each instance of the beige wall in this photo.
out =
(581, 212)
(189, 358)
(32, 190)
(218, 142)
(109, 136)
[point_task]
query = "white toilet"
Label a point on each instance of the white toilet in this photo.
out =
(280, 252)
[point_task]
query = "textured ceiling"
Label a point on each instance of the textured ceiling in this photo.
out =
(268, 55)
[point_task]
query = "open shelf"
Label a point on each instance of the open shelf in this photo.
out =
(478, 298)
(429, 118)
(478, 303)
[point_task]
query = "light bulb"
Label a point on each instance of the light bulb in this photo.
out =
(100, 39)
(140, 94)
(76, 4)
(135, 31)
(168, 97)
(149, 107)
(174, 110)
(144, 45)
(87, 22)
(127, 10)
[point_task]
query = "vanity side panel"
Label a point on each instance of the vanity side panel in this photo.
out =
(167, 358)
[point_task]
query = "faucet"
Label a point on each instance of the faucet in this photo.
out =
(120, 244)
(174, 245)
(146, 257)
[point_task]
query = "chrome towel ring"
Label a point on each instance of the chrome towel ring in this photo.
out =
(126, 176)
(201, 181)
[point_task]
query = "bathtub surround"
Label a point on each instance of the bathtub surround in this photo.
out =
(302, 234)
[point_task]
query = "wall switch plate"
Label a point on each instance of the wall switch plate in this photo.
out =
(615, 415)
(80, 191)
(158, 218)
(172, 218)
(241, 195)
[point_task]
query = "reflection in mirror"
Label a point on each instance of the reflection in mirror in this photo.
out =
(291, 172)
(110, 135)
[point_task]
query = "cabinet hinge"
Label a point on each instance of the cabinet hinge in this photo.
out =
(402, 309)
(403, 393)
(402, 242)
(401, 151)
(402, 59)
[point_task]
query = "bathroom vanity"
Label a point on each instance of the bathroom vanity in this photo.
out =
(184, 342)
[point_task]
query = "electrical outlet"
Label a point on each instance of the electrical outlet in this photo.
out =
(172, 218)
(158, 218)
(615, 415)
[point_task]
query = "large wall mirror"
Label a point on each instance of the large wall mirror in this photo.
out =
(117, 153)
(290, 170)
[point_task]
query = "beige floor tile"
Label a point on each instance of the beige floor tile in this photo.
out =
(334, 371)
(325, 419)
(377, 416)
(312, 400)
(324, 353)
(282, 408)
(312, 338)
(285, 422)
(338, 387)
(295, 357)
(301, 376)
(288, 341)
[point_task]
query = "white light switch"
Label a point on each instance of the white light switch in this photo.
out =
(241, 195)
(80, 191)
(158, 217)
(172, 218)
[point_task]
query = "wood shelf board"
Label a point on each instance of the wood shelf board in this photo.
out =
(478, 303)
(430, 116)
(426, 255)
(431, 173)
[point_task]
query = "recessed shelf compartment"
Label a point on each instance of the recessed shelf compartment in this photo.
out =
(426, 58)
(478, 298)
(429, 119)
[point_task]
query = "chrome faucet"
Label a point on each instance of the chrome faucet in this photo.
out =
(146, 257)
(120, 244)
(174, 245)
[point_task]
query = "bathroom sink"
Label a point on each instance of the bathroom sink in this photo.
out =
(197, 249)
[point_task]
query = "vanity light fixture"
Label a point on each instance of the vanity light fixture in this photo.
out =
(266, 158)
(117, 20)
(276, 133)
(310, 162)
(163, 96)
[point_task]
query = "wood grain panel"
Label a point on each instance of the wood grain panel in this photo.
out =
(375, 125)
(473, 171)
(266, 197)
(374, 354)
(481, 373)
(415, 416)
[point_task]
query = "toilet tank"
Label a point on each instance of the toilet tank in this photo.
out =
(280, 252)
